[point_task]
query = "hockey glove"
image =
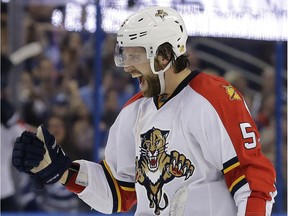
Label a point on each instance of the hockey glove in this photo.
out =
(38, 154)
(27, 153)
(54, 163)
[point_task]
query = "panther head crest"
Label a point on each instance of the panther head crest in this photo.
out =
(153, 145)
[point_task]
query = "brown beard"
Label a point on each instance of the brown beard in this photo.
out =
(153, 86)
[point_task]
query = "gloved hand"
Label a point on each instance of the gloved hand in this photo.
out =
(27, 153)
(53, 162)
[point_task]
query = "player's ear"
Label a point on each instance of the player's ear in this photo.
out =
(161, 61)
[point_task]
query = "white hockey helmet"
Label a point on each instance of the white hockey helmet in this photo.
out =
(149, 28)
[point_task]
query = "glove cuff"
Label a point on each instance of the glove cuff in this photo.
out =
(54, 171)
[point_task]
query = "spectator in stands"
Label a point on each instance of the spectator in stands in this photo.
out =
(211, 71)
(9, 132)
(57, 124)
(108, 49)
(124, 88)
(111, 108)
(12, 187)
(71, 51)
(110, 112)
(82, 131)
(60, 106)
(266, 112)
(192, 56)
(267, 87)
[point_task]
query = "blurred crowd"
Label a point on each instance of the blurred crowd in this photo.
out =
(57, 87)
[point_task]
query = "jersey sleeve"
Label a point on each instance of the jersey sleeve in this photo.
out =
(110, 184)
(231, 142)
(119, 164)
(96, 186)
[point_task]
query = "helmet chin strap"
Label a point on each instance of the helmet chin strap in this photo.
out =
(160, 75)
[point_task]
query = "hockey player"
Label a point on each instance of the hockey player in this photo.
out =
(185, 145)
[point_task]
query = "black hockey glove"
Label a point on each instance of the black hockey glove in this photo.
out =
(54, 162)
(27, 153)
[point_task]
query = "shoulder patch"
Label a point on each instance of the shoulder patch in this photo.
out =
(230, 91)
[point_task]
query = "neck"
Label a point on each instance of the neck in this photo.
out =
(172, 79)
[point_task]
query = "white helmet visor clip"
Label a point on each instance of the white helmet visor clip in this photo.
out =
(160, 74)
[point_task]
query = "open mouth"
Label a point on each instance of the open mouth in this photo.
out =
(141, 80)
(138, 75)
(153, 162)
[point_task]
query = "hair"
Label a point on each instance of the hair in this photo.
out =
(179, 63)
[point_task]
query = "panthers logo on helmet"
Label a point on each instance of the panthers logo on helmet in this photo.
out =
(155, 167)
(230, 91)
(161, 13)
(181, 48)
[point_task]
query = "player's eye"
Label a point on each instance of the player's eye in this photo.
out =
(134, 58)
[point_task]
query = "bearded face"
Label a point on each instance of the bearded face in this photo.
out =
(148, 82)
(134, 60)
(153, 86)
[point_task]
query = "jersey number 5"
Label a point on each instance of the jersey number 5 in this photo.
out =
(247, 135)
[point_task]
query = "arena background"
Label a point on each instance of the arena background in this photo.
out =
(57, 64)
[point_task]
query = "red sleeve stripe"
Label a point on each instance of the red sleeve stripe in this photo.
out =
(234, 176)
(129, 198)
(72, 175)
(124, 195)
(72, 186)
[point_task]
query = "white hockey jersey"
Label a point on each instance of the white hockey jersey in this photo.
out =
(196, 154)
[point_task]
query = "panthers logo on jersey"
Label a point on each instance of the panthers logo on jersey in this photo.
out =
(155, 167)
(230, 91)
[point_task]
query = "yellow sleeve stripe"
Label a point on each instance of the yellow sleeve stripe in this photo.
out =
(127, 188)
(231, 167)
(236, 182)
(116, 186)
